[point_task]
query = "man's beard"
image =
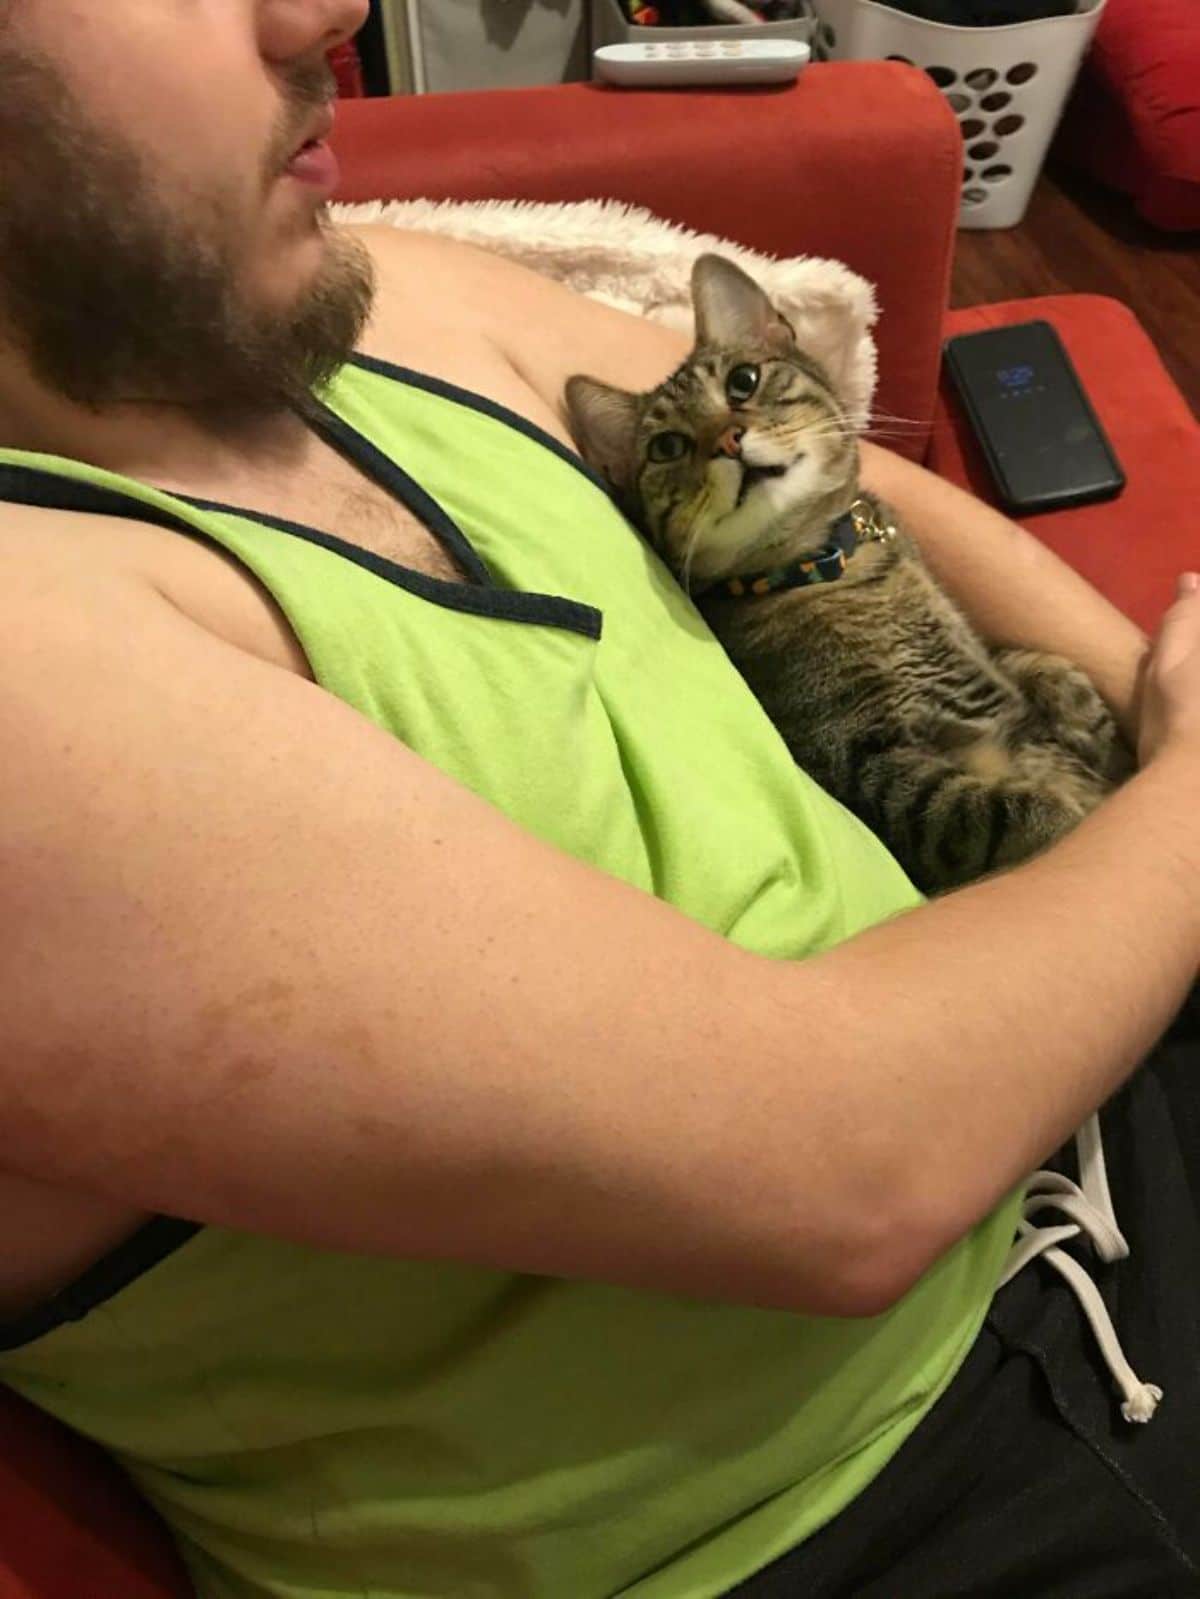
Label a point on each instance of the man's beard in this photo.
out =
(117, 294)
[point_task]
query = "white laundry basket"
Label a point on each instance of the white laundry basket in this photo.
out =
(1007, 86)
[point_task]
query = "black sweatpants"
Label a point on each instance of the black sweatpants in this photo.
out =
(1024, 1481)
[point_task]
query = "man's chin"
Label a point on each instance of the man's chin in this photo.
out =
(313, 324)
(293, 263)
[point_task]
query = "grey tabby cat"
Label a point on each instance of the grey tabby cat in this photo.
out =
(742, 472)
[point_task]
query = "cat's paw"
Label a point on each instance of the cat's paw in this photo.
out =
(1052, 684)
(1066, 708)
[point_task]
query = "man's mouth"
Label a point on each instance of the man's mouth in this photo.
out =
(319, 128)
(313, 161)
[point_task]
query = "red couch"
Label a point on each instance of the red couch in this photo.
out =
(1133, 120)
(858, 161)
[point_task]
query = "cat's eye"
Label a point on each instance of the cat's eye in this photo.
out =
(668, 447)
(741, 383)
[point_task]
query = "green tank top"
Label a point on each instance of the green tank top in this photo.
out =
(315, 1425)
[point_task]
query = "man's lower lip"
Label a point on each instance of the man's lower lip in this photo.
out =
(315, 165)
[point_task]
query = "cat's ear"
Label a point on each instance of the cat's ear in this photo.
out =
(732, 311)
(604, 422)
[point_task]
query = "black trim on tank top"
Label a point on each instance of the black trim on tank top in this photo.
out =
(356, 448)
(146, 1248)
(480, 402)
(55, 491)
(477, 599)
(479, 596)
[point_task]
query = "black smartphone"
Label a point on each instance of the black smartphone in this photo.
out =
(1041, 438)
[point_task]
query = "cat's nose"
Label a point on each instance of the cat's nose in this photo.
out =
(730, 442)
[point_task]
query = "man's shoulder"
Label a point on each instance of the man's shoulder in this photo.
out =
(445, 276)
(543, 329)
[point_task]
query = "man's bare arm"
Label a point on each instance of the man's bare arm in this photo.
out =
(374, 1015)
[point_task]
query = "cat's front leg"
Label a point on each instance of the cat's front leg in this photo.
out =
(1069, 710)
(948, 824)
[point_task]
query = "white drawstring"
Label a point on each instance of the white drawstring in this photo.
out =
(1091, 1214)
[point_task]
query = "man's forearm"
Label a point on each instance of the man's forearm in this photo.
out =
(1015, 590)
(1006, 1013)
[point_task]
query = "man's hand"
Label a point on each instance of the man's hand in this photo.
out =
(1170, 688)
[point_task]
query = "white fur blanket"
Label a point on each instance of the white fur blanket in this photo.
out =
(629, 258)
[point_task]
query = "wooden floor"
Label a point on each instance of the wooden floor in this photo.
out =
(1078, 238)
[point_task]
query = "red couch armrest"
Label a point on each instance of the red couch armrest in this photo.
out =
(71, 1524)
(857, 160)
(1133, 121)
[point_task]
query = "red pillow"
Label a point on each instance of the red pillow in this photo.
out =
(1134, 119)
(71, 1523)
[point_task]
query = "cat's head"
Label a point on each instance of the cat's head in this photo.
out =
(721, 463)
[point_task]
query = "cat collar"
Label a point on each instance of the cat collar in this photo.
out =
(862, 523)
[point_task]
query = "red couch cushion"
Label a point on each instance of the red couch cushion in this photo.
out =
(1133, 547)
(71, 1525)
(1134, 119)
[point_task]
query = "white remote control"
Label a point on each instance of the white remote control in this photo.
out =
(693, 62)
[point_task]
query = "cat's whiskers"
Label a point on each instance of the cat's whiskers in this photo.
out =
(892, 417)
(699, 518)
(886, 425)
(829, 427)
